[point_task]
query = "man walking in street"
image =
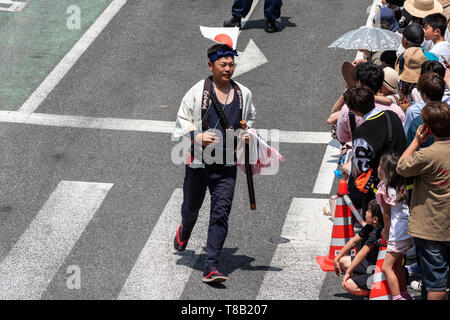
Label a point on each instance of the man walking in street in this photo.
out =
(240, 9)
(208, 112)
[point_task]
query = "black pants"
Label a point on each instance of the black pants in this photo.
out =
(221, 182)
(272, 8)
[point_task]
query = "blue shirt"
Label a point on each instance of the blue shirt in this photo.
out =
(411, 113)
(411, 134)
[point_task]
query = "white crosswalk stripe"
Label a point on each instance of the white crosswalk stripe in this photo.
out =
(31, 264)
(159, 272)
(325, 177)
(309, 232)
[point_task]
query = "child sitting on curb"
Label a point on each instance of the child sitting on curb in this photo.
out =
(356, 268)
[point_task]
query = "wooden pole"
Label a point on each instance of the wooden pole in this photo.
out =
(248, 171)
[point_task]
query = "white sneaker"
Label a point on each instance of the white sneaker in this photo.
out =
(416, 285)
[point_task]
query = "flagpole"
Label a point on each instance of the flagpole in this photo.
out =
(248, 171)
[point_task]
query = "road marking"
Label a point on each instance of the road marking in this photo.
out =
(31, 264)
(138, 125)
(250, 59)
(55, 120)
(309, 232)
(159, 272)
(325, 178)
(304, 137)
(245, 19)
(51, 81)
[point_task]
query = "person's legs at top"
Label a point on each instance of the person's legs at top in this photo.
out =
(221, 186)
(239, 11)
(272, 11)
(241, 8)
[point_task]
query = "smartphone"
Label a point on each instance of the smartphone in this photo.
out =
(427, 129)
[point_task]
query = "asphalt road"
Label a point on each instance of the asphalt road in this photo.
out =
(139, 67)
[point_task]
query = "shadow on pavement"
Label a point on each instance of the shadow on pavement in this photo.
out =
(261, 24)
(230, 262)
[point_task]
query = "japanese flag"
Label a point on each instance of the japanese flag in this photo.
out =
(226, 36)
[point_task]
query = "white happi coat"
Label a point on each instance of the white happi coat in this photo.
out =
(189, 114)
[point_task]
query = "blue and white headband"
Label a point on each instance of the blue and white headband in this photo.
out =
(219, 54)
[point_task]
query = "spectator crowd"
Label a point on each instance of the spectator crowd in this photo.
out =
(394, 117)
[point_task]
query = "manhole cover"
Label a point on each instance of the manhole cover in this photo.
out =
(278, 240)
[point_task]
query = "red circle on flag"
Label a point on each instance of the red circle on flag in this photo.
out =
(225, 39)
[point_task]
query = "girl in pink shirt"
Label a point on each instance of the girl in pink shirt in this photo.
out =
(392, 197)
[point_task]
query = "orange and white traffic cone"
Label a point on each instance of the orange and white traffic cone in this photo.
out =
(342, 229)
(380, 288)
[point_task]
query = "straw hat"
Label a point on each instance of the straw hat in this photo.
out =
(422, 8)
(390, 79)
(414, 58)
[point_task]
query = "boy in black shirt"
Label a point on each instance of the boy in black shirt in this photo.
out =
(357, 268)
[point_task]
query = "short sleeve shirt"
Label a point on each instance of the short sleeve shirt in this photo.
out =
(371, 237)
(430, 201)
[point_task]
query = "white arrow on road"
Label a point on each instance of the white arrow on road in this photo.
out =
(250, 59)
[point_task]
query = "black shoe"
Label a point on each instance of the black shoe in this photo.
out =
(271, 26)
(233, 22)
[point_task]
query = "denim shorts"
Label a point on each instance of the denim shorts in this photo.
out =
(434, 259)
